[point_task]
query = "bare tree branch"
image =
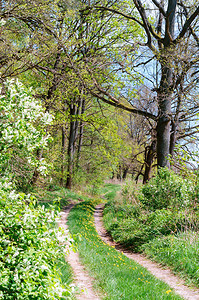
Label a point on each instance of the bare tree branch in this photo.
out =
(187, 25)
(161, 8)
(119, 13)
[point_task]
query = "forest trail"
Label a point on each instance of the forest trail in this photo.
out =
(81, 278)
(163, 274)
(84, 282)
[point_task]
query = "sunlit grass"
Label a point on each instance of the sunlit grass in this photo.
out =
(115, 275)
(65, 272)
(58, 198)
(109, 190)
(180, 252)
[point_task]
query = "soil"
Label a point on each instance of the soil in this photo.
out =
(164, 274)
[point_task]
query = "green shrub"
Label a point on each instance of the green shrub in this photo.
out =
(133, 227)
(166, 189)
(29, 249)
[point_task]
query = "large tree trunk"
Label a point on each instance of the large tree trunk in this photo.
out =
(163, 123)
(63, 154)
(164, 91)
(74, 123)
(175, 123)
(149, 155)
(173, 137)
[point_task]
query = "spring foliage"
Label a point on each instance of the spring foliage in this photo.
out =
(30, 246)
(29, 249)
(22, 130)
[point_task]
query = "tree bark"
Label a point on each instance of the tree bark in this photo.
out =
(163, 122)
(164, 118)
(74, 123)
(164, 91)
(81, 133)
(125, 172)
(150, 152)
(63, 154)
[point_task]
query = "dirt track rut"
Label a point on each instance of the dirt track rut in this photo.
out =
(164, 274)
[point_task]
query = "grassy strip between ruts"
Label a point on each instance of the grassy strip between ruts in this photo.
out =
(115, 275)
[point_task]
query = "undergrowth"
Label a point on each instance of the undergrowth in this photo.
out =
(115, 275)
(30, 250)
(160, 219)
(56, 197)
(180, 252)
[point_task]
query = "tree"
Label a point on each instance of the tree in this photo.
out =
(78, 53)
(172, 44)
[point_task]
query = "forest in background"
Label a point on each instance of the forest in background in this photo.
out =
(119, 79)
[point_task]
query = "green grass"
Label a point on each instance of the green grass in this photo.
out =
(58, 198)
(109, 190)
(115, 275)
(158, 234)
(180, 252)
(65, 272)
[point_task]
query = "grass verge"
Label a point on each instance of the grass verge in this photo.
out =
(158, 234)
(180, 252)
(66, 274)
(115, 275)
(109, 190)
(57, 198)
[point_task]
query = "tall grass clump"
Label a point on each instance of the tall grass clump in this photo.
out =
(180, 252)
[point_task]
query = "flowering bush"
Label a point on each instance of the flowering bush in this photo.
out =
(23, 121)
(29, 249)
(30, 245)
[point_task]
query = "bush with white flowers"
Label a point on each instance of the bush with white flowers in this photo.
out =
(22, 132)
(29, 242)
(29, 249)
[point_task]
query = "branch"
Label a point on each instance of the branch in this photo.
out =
(188, 134)
(187, 25)
(191, 29)
(148, 28)
(142, 13)
(160, 7)
(120, 13)
(114, 102)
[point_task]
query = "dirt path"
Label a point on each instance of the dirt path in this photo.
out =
(81, 278)
(164, 274)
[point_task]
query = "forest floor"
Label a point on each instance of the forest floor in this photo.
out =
(84, 282)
